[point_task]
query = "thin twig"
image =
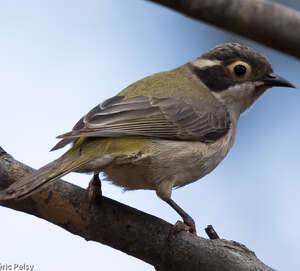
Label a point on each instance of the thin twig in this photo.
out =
(211, 233)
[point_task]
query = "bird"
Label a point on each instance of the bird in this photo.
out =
(164, 131)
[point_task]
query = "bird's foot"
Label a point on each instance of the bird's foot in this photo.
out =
(183, 226)
(188, 223)
(94, 189)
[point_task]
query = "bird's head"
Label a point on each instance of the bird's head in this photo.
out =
(237, 75)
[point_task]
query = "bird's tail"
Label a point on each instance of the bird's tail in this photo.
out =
(82, 152)
(39, 179)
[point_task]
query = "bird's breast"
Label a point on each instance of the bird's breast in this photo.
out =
(180, 162)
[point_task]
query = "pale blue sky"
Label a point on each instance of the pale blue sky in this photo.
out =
(60, 58)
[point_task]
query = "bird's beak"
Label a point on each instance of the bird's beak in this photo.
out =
(275, 80)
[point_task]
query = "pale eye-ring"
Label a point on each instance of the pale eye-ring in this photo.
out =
(239, 70)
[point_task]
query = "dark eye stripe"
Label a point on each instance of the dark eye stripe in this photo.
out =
(216, 78)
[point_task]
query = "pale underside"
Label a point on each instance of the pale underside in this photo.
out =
(169, 164)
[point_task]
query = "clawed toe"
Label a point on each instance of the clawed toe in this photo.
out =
(182, 226)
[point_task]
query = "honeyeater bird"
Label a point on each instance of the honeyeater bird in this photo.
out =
(164, 131)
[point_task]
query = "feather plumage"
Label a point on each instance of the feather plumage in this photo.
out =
(174, 118)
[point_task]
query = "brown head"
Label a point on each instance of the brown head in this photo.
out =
(236, 74)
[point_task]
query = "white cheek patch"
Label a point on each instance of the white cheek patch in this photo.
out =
(239, 91)
(238, 97)
(241, 96)
(259, 83)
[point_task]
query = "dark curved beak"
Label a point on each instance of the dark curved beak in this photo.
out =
(275, 80)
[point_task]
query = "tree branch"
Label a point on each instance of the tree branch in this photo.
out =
(269, 23)
(124, 228)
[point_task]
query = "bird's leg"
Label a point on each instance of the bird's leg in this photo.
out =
(187, 219)
(94, 188)
(164, 191)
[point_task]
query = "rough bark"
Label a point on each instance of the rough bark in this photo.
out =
(266, 22)
(127, 229)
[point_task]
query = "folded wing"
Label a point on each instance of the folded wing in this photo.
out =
(173, 118)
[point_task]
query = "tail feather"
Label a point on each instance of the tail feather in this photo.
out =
(62, 143)
(82, 152)
(35, 181)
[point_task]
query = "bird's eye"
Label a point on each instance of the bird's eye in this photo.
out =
(239, 70)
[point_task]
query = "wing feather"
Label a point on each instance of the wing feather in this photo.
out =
(170, 118)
